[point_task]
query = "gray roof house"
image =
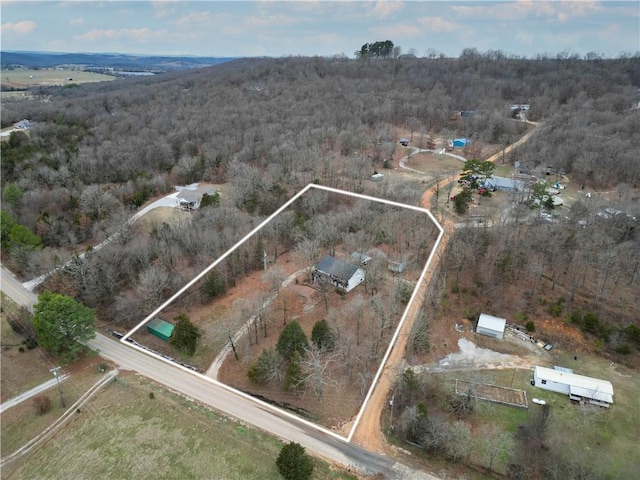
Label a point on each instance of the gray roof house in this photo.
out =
(343, 275)
(190, 197)
(503, 184)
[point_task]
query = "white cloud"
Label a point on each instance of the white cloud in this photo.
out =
(384, 8)
(437, 24)
(138, 34)
(21, 28)
(523, 9)
(76, 21)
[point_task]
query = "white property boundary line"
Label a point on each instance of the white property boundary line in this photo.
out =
(235, 247)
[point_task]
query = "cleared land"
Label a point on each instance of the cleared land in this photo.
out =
(126, 432)
(47, 77)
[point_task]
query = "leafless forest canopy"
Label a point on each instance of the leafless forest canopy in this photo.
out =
(267, 127)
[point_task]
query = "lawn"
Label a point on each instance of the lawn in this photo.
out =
(606, 439)
(19, 371)
(135, 429)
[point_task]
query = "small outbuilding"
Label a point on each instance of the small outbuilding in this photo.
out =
(160, 329)
(360, 258)
(578, 387)
(343, 275)
(491, 326)
(460, 142)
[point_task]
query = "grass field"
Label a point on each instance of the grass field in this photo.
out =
(46, 77)
(125, 433)
(19, 371)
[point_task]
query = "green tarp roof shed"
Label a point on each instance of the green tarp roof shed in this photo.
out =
(160, 329)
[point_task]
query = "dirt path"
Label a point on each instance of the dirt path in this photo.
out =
(213, 370)
(368, 433)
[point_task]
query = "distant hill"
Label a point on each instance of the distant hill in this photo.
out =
(107, 60)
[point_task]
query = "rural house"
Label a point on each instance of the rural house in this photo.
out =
(503, 184)
(190, 197)
(578, 387)
(339, 273)
(491, 326)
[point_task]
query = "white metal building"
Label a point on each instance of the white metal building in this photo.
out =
(578, 387)
(491, 326)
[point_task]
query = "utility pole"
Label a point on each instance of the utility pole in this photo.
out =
(55, 374)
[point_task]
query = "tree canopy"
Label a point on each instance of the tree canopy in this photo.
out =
(294, 463)
(380, 49)
(62, 325)
(185, 335)
(322, 336)
(292, 339)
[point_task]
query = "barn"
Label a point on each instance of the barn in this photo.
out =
(578, 387)
(160, 328)
(491, 326)
(343, 275)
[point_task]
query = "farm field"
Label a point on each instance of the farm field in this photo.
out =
(27, 78)
(135, 429)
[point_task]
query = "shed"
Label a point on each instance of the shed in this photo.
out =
(360, 258)
(396, 267)
(460, 142)
(491, 326)
(342, 274)
(160, 328)
(578, 387)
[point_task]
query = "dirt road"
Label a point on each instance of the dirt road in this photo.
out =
(368, 433)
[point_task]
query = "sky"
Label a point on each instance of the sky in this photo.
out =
(320, 27)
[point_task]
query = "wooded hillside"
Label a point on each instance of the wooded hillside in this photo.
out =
(267, 127)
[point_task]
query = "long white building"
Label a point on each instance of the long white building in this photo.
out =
(578, 387)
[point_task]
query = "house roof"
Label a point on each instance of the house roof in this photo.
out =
(492, 323)
(336, 268)
(194, 194)
(503, 182)
(578, 384)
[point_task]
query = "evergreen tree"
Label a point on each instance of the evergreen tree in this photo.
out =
(292, 339)
(214, 285)
(293, 462)
(62, 325)
(322, 336)
(185, 335)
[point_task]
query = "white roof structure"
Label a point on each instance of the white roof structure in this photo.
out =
(579, 385)
(492, 323)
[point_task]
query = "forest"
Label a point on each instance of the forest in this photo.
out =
(265, 128)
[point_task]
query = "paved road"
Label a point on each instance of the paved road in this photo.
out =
(12, 287)
(319, 441)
